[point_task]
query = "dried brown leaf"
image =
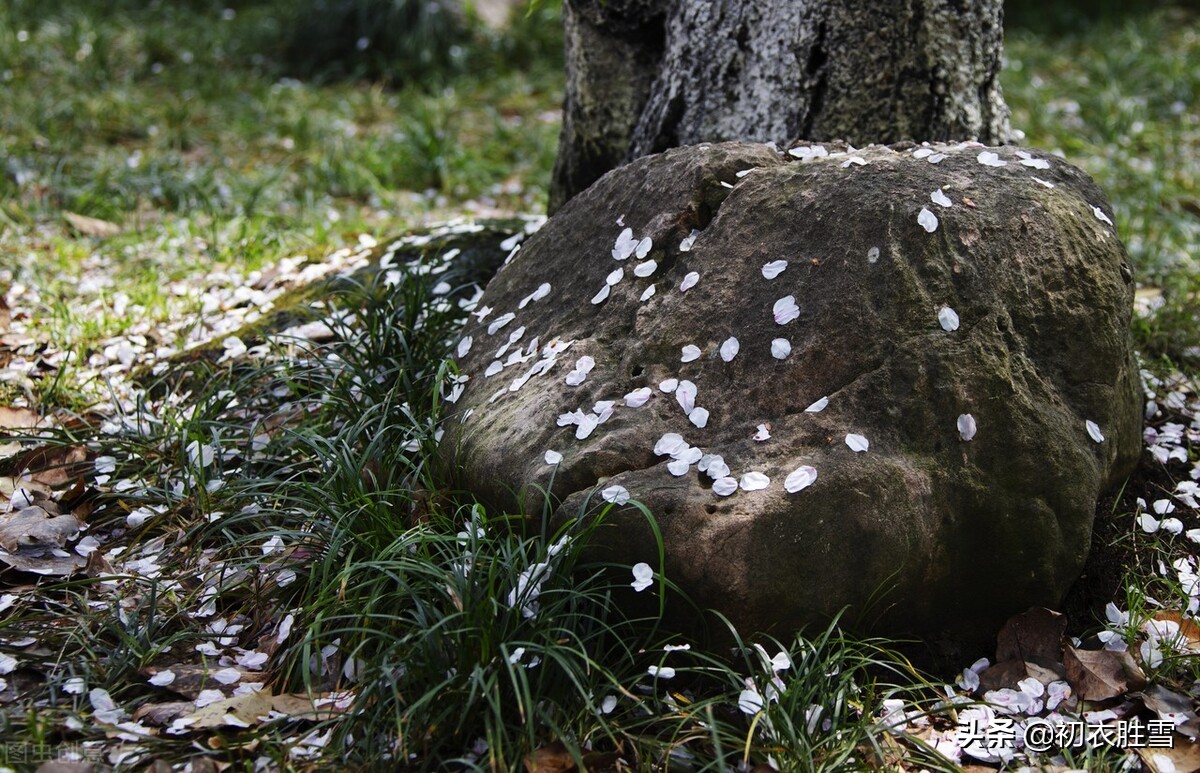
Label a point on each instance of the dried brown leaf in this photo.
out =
(301, 706)
(551, 758)
(1187, 629)
(34, 526)
(54, 566)
(18, 418)
(160, 714)
(91, 226)
(1182, 756)
(249, 708)
(1162, 701)
(1008, 673)
(1097, 675)
(1035, 636)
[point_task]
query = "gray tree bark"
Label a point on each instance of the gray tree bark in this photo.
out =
(647, 75)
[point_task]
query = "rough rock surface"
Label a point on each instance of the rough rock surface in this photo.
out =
(942, 293)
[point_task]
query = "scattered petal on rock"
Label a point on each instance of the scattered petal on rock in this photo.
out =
(927, 220)
(699, 417)
(669, 444)
(661, 672)
(643, 248)
(781, 348)
(618, 495)
(729, 349)
(873, 255)
(648, 293)
(689, 281)
(988, 158)
(948, 319)
(818, 406)
(786, 310)
(774, 268)
(689, 353)
(586, 426)
(688, 241)
(1093, 430)
(685, 395)
(858, 444)
(1099, 213)
(763, 434)
(553, 457)
(601, 296)
(754, 481)
(1035, 163)
(614, 277)
(725, 486)
(638, 397)
(940, 198)
(644, 270)
(625, 245)
(800, 478)
(966, 426)
(668, 385)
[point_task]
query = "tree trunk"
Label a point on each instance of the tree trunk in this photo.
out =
(647, 75)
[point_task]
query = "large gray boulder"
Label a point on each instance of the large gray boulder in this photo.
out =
(960, 312)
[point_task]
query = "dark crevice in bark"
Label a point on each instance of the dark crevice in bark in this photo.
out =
(815, 73)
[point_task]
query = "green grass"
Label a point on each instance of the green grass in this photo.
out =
(324, 506)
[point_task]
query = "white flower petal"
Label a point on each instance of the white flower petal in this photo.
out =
(799, 479)
(678, 467)
(553, 457)
(638, 397)
(966, 426)
(786, 310)
(688, 241)
(162, 678)
(668, 385)
(940, 198)
(643, 248)
(586, 426)
(948, 319)
(774, 268)
(1093, 430)
(988, 158)
(729, 349)
(699, 417)
(618, 495)
(685, 395)
(1099, 213)
(689, 353)
(643, 577)
(614, 276)
(648, 293)
(644, 270)
(927, 220)
(818, 406)
(725, 486)
(857, 443)
(601, 296)
(781, 348)
(763, 434)
(689, 281)
(669, 444)
(754, 481)
(663, 672)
